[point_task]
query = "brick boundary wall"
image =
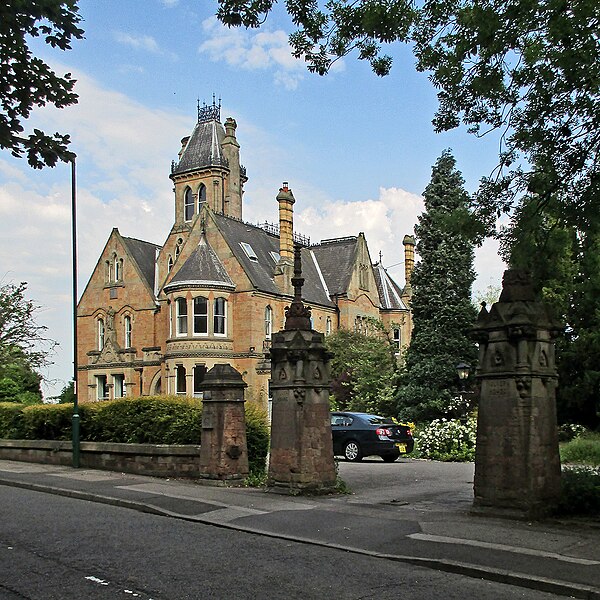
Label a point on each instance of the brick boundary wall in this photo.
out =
(141, 459)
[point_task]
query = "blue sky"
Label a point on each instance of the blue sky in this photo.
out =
(356, 149)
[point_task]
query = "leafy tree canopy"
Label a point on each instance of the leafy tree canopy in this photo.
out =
(527, 68)
(565, 267)
(26, 81)
(363, 370)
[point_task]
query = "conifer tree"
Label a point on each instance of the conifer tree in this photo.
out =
(441, 301)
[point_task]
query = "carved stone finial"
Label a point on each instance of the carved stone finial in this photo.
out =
(517, 286)
(297, 316)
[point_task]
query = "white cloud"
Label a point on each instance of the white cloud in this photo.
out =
(253, 51)
(145, 43)
(124, 150)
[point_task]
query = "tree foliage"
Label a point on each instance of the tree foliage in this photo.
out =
(441, 301)
(27, 82)
(565, 267)
(526, 68)
(363, 370)
(22, 340)
(19, 382)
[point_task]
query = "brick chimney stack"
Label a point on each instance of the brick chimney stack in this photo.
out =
(286, 200)
(409, 257)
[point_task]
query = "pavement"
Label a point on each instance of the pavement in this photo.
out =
(417, 512)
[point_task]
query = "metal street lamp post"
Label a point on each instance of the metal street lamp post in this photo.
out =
(75, 418)
(463, 374)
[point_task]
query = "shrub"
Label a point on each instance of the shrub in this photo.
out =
(584, 449)
(146, 420)
(580, 491)
(448, 440)
(11, 417)
(47, 422)
(570, 431)
(257, 434)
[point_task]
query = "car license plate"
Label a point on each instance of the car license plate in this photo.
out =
(401, 447)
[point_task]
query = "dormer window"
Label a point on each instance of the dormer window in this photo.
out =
(249, 250)
(188, 204)
(275, 256)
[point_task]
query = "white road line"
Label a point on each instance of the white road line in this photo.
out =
(529, 551)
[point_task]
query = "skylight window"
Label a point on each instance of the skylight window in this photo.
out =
(275, 256)
(249, 250)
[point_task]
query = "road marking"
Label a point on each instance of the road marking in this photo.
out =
(97, 580)
(529, 551)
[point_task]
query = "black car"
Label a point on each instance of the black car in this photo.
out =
(358, 434)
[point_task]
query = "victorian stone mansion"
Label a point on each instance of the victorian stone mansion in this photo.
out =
(153, 319)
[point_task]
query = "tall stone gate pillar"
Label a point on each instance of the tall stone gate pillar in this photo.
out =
(223, 448)
(517, 466)
(301, 456)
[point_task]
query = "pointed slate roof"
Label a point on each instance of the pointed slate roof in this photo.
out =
(260, 270)
(144, 254)
(202, 269)
(336, 259)
(203, 148)
(390, 294)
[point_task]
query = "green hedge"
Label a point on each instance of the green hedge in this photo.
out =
(147, 420)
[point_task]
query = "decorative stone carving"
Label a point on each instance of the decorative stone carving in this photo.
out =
(517, 467)
(301, 456)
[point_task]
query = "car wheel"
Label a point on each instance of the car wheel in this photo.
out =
(352, 451)
(389, 457)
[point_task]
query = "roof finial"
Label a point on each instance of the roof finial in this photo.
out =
(297, 316)
(380, 258)
(208, 113)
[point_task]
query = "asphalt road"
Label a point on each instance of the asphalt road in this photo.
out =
(52, 547)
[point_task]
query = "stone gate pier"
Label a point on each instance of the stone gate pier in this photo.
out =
(517, 465)
(224, 448)
(301, 458)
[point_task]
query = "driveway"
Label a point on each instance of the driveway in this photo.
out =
(418, 483)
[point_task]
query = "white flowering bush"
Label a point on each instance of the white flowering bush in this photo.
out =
(570, 431)
(447, 440)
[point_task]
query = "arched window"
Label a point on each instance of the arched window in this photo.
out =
(328, 326)
(127, 323)
(101, 334)
(220, 317)
(200, 316)
(118, 269)
(180, 380)
(268, 322)
(178, 248)
(182, 313)
(201, 196)
(188, 204)
(169, 264)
